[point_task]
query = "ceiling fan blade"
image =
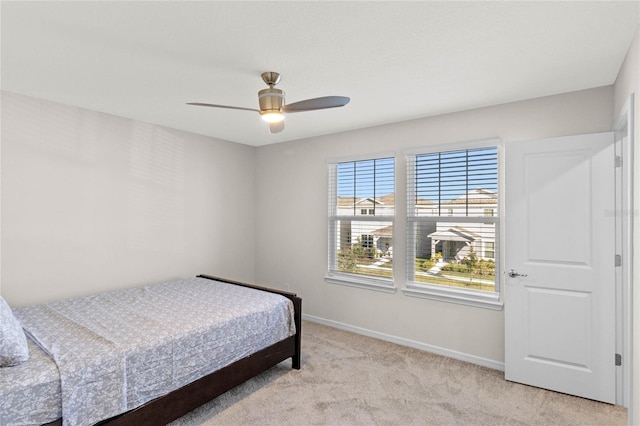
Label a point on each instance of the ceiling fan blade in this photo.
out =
(222, 106)
(317, 103)
(276, 127)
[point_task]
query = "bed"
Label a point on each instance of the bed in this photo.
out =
(166, 356)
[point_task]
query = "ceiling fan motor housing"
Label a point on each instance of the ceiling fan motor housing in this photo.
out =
(271, 100)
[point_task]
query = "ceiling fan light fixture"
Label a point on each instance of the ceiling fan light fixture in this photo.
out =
(272, 116)
(271, 101)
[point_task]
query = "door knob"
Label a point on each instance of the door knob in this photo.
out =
(513, 273)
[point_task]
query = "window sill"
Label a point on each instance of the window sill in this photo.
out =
(369, 283)
(452, 295)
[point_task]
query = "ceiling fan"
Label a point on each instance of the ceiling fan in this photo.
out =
(272, 105)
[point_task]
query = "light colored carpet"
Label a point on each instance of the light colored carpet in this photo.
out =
(349, 379)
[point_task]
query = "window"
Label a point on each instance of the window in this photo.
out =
(489, 249)
(452, 225)
(488, 213)
(361, 218)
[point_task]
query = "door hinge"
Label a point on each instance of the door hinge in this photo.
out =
(618, 359)
(618, 161)
(618, 260)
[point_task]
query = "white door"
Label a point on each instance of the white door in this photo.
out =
(560, 238)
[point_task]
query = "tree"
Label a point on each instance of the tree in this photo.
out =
(346, 260)
(472, 262)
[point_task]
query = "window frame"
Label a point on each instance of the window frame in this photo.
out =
(470, 297)
(333, 276)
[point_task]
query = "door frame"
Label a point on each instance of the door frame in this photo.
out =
(623, 128)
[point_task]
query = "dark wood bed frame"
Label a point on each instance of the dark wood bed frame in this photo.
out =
(175, 404)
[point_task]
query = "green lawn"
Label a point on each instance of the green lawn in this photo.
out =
(440, 280)
(385, 271)
(467, 275)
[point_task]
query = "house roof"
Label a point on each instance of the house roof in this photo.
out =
(476, 196)
(368, 200)
(384, 200)
(387, 231)
(471, 200)
(455, 233)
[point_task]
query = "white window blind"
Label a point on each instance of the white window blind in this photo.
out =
(361, 217)
(456, 182)
(452, 221)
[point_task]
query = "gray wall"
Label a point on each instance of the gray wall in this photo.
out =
(291, 244)
(93, 202)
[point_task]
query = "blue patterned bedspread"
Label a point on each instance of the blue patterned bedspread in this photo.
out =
(115, 351)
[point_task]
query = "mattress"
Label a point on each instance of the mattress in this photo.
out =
(115, 351)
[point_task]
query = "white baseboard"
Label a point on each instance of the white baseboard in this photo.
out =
(473, 359)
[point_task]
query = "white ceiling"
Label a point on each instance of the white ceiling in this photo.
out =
(396, 60)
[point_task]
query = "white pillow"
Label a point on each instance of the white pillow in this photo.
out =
(13, 342)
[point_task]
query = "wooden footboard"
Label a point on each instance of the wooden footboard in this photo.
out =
(297, 305)
(175, 404)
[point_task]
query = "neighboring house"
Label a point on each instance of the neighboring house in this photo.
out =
(369, 206)
(453, 239)
(455, 242)
(372, 235)
(383, 239)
